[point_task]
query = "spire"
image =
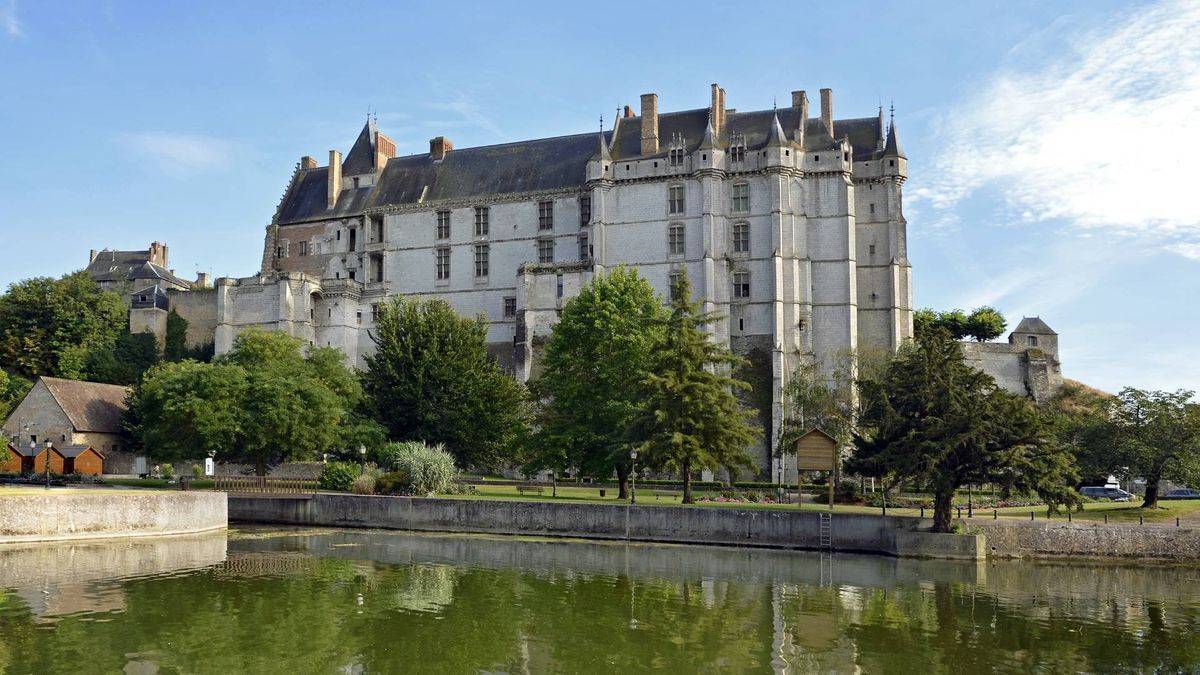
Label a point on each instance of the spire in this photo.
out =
(892, 147)
(776, 138)
(604, 153)
(709, 142)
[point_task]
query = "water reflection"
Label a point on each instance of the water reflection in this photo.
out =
(271, 600)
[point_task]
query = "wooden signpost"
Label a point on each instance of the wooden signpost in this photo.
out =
(817, 451)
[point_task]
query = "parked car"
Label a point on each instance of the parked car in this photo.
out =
(1110, 493)
(1182, 493)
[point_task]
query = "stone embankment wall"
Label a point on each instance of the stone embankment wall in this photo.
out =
(719, 526)
(98, 513)
(1025, 539)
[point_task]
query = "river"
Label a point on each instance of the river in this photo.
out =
(291, 600)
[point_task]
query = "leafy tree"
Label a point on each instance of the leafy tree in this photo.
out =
(603, 342)
(175, 342)
(12, 390)
(981, 325)
(935, 420)
(431, 379)
(691, 419)
(1157, 436)
(123, 362)
(49, 326)
(262, 403)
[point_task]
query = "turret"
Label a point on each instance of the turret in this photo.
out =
(599, 167)
(709, 155)
(893, 163)
(778, 147)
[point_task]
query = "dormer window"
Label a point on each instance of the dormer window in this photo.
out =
(677, 152)
(737, 148)
(1031, 340)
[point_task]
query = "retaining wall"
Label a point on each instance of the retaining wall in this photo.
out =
(1025, 539)
(100, 513)
(732, 527)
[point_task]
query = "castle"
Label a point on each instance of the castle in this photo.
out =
(789, 225)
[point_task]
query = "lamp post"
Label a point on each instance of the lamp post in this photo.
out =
(362, 453)
(633, 476)
(48, 447)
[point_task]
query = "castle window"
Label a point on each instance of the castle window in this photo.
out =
(584, 249)
(891, 162)
(358, 317)
(816, 158)
(741, 197)
(741, 285)
(675, 199)
(481, 221)
(545, 250)
(676, 156)
(673, 285)
(510, 307)
(585, 209)
(304, 248)
(1031, 340)
(355, 179)
(675, 241)
(872, 207)
(375, 313)
(443, 263)
(481, 260)
(546, 215)
(559, 286)
(737, 148)
(871, 249)
(377, 227)
(352, 277)
(741, 237)
(443, 224)
(278, 251)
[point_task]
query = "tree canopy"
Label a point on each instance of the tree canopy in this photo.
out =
(690, 418)
(12, 389)
(263, 402)
(936, 420)
(982, 324)
(431, 379)
(1156, 436)
(49, 326)
(602, 346)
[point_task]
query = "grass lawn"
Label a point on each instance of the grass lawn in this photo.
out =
(1117, 512)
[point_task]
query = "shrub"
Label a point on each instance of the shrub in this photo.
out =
(394, 483)
(364, 484)
(197, 471)
(168, 470)
(429, 469)
(846, 492)
(339, 476)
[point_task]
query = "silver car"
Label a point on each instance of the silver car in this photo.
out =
(1182, 493)
(1110, 493)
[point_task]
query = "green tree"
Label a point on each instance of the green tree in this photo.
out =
(123, 362)
(691, 418)
(12, 390)
(175, 342)
(1157, 436)
(936, 420)
(981, 325)
(49, 326)
(603, 342)
(1079, 419)
(431, 379)
(263, 402)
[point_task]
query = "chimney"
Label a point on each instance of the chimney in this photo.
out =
(385, 149)
(628, 111)
(649, 124)
(334, 179)
(92, 256)
(439, 147)
(201, 280)
(158, 253)
(307, 162)
(724, 110)
(716, 110)
(827, 110)
(800, 103)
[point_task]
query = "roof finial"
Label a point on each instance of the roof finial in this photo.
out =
(602, 124)
(774, 103)
(893, 111)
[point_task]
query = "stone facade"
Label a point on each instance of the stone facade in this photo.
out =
(1027, 364)
(791, 227)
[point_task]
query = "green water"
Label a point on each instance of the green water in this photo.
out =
(298, 601)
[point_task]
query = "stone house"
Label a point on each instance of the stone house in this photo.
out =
(74, 413)
(1027, 364)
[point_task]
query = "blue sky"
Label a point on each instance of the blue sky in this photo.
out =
(1049, 142)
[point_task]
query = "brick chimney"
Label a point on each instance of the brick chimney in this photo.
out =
(334, 178)
(385, 149)
(628, 112)
(158, 253)
(92, 256)
(649, 124)
(439, 147)
(201, 280)
(827, 110)
(307, 162)
(716, 110)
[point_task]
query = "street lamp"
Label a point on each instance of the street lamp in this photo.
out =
(633, 476)
(49, 446)
(362, 453)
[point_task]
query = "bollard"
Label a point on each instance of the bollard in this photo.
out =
(1141, 521)
(922, 510)
(1106, 519)
(960, 513)
(1031, 515)
(1176, 521)
(1068, 515)
(995, 514)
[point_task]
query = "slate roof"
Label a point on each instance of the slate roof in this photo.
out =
(24, 451)
(542, 164)
(128, 266)
(91, 406)
(1035, 325)
(73, 451)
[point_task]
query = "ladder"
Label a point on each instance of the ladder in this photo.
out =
(826, 532)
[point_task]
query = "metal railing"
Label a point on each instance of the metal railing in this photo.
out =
(263, 484)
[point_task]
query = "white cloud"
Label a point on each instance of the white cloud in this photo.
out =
(1101, 140)
(10, 23)
(181, 154)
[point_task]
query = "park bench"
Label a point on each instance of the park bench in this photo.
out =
(669, 494)
(530, 488)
